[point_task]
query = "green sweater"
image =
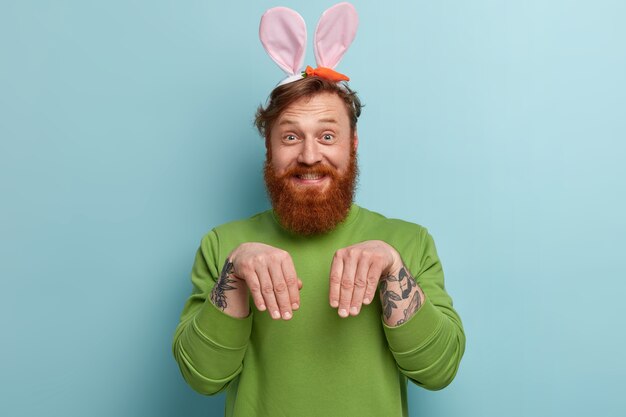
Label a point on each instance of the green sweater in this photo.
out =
(318, 364)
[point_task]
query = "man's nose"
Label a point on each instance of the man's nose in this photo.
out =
(310, 152)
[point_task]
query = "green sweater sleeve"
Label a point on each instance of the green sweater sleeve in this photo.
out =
(209, 345)
(428, 347)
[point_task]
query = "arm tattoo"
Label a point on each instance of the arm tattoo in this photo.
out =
(405, 278)
(406, 283)
(218, 295)
(388, 297)
(412, 308)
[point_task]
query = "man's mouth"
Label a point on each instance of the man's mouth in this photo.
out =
(310, 176)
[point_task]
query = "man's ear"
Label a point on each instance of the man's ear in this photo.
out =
(355, 141)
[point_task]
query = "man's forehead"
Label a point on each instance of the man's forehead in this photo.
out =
(325, 108)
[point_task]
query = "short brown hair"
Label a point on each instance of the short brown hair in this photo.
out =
(286, 94)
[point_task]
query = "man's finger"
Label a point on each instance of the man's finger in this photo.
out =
(336, 270)
(281, 291)
(373, 278)
(360, 284)
(252, 281)
(267, 290)
(292, 281)
(347, 285)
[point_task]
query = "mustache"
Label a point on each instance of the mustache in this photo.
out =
(314, 170)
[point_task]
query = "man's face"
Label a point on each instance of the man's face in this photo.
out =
(312, 131)
(311, 168)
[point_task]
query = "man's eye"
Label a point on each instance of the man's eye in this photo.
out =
(290, 138)
(328, 137)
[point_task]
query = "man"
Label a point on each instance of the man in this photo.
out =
(285, 314)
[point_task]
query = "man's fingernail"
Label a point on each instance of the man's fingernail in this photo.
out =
(354, 311)
(334, 304)
(366, 301)
(295, 306)
(343, 312)
(262, 307)
(287, 315)
(275, 314)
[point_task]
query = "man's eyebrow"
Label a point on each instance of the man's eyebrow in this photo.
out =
(293, 122)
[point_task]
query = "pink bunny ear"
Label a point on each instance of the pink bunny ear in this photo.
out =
(335, 32)
(283, 35)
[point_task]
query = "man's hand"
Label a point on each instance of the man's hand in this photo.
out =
(268, 273)
(356, 271)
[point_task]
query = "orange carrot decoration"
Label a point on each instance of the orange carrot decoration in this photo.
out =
(324, 72)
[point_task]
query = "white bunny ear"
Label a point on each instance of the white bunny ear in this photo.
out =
(335, 32)
(283, 35)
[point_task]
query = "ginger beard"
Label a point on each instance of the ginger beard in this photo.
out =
(307, 210)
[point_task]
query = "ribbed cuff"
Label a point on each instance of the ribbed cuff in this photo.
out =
(416, 331)
(223, 330)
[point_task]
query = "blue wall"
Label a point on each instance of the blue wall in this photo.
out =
(126, 134)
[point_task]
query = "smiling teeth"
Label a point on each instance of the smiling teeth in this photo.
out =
(310, 176)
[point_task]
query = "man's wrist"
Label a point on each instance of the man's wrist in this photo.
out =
(230, 294)
(400, 296)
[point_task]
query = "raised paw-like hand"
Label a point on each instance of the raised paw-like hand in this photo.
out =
(270, 275)
(355, 273)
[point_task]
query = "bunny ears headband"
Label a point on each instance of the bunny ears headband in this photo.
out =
(283, 35)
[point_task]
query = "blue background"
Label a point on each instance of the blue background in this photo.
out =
(126, 134)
